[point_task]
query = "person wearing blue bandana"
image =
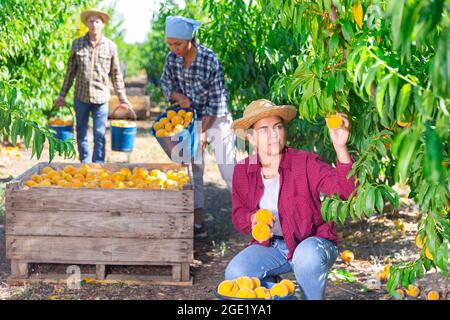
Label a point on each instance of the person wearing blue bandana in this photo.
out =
(193, 78)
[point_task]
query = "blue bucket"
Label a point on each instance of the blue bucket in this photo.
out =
(264, 284)
(63, 132)
(122, 139)
(181, 147)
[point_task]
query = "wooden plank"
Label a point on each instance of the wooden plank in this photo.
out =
(176, 272)
(33, 170)
(185, 271)
(113, 200)
(19, 269)
(108, 263)
(139, 280)
(16, 183)
(99, 224)
(58, 278)
(100, 271)
(85, 249)
(109, 280)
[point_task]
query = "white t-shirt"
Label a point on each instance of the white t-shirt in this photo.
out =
(269, 201)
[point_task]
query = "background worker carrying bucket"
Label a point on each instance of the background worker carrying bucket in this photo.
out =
(93, 58)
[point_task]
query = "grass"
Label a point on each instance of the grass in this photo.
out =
(341, 275)
(220, 247)
(25, 293)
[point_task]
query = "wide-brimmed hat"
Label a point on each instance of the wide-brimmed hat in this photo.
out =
(87, 13)
(260, 109)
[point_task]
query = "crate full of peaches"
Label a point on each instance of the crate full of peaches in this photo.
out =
(98, 176)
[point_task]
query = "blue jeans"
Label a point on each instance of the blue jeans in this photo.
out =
(311, 261)
(100, 116)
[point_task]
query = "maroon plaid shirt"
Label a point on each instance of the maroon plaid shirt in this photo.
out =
(303, 177)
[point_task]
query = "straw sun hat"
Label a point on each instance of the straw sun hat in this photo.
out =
(258, 110)
(87, 13)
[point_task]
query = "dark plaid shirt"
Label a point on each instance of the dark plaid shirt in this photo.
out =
(203, 82)
(92, 67)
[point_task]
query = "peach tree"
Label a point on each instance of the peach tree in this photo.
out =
(385, 64)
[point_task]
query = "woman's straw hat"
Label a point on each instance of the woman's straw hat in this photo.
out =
(258, 110)
(87, 13)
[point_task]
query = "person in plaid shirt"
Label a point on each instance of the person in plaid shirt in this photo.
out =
(193, 78)
(92, 60)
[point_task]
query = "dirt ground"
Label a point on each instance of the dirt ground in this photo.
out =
(375, 242)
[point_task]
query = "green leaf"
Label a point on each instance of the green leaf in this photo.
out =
(330, 85)
(342, 275)
(359, 203)
(393, 84)
(15, 131)
(428, 196)
(324, 209)
(405, 278)
(369, 77)
(430, 232)
(396, 295)
(442, 257)
(390, 192)
(412, 276)
(334, 44)
(398, 142)
(394, 280)
(340, 81)
(292, 86)
(403, 101)
(381, 148)
(427, 264)
(347, 31)
(13, 98)
(423, 189)
(407, 151)
(388, 196)
(28, 135)
(419, 269)
(362, 177)
(395, 9)
(51, 146)
(381, 89)
(379, 200)
(359, 67)
(433, 156)
(342, 212)
(370, 201)
(334, 210)
(38, 143)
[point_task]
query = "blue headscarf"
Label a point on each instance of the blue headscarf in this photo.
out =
(181, 28)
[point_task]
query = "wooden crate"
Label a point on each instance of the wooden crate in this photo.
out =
(100, 226)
